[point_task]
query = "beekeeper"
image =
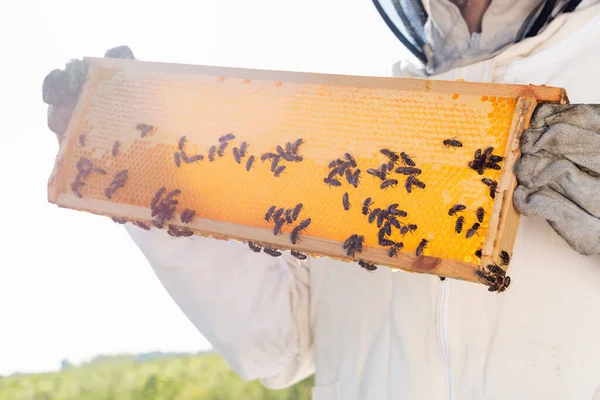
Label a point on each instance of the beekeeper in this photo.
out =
(385, 335)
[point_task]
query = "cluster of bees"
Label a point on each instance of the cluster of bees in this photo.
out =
(495, 276)
(460, 220)
(341, 168)
(85, 168)
(289, 154)
(164, 204)
(288, 216)
(486, 159)
(408, 169)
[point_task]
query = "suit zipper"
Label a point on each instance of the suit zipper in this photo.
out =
(443, 327)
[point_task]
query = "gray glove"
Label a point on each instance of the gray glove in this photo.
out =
(559, 172)
(61, 89)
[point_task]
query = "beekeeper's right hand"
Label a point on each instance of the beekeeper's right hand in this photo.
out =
(61, 89)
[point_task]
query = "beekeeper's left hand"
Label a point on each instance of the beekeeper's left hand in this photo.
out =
(559, 172)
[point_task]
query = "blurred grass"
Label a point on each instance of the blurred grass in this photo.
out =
(203, 376)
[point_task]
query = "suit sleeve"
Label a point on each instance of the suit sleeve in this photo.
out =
(254, 309)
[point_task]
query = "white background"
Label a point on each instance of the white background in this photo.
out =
(74, 285)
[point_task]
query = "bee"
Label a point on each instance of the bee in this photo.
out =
(225, 138)
(274, 163)
(491, 165)
(373, 214)
(144, 129)
(141, 225)
(410, 228)
(383, 171)
(268, 156)
(367, 265)
(296, 145)
(173, 193)
(487, 152)
(489, 182)
(390, 154)
(332, 182)
(395, 249)
(278, 170)
(422, 245)
(272, 252)
(280, 151)
(249, 163)
(84, 165)
(504, 257)
(181, 142)
(390, 165)
(211, 153)
(495, 159)
(349, 243)
(269, 213)
(367, 203)
(82, 140)
(278, 226)
(375, 172)
(388, 228)
(349, 176)
(478, 253)
(407, 160)
(254, 247)
(473, 230)
(382, 215)
(278, 214)
(388, 183)
(477, 154)
(236, 155)
(288, 147)
(350, 159)
(288, 216)
(342, 167)
(385, 242)
(244, 149)
(75, 186)
(99, 171)
(295, 235)
(115, 148)
(480, 213)
(414, 181)
(197, 157)
(187, 215)
(476, 165)
(408, 171)
(459, 224)
(304, 224)
(357, 244)
(356, 178)
(397, 213)
(222, 148)
(108, 193)
(157, 195)
(119, 220)
(177, 159)
(394, 222)
(452, 143)
(298, 255)
(346, 201)
(381, 236)
(296, 211)
(495, 269)
(456, 208)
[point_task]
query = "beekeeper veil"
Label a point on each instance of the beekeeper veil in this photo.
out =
(436, 34)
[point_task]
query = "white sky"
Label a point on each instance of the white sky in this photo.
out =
(53, 306)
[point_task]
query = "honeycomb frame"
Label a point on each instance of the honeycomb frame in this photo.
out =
(332, 114)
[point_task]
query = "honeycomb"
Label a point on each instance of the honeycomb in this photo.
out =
(331, 120)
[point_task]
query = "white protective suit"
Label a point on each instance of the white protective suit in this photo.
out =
(386, 335)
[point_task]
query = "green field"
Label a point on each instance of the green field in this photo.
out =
(188, 377)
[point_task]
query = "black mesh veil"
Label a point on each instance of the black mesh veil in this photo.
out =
(406, 19)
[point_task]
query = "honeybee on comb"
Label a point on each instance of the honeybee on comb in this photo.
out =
(452, 142)
(422, 245)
